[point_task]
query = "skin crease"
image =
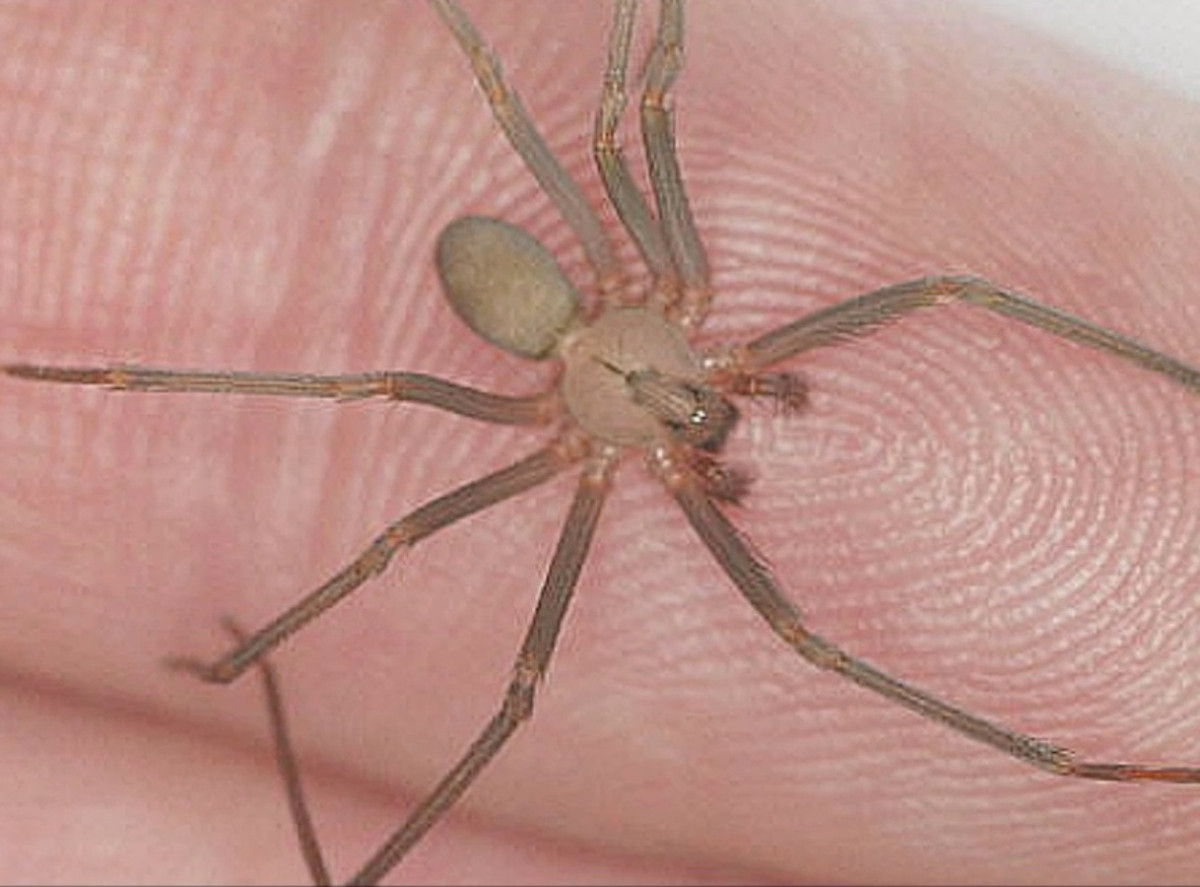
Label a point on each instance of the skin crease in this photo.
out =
(1002, 518)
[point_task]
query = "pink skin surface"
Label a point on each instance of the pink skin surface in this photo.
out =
(1008, 520)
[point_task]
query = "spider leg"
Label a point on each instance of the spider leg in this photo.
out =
(285, 761)
(869, 312)
(513, 119)
(630, 205)
(658, 135)
(754, 580)
(528, 670)
(499, 409)
(404, 533)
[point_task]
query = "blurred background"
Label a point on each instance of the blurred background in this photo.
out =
(1159, 38)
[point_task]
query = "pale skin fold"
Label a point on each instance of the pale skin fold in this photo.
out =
(133, 525)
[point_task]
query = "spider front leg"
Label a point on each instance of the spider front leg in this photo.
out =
(872, 311)
(688, 254)
(669, 243)
(623, 193)
(754, 580)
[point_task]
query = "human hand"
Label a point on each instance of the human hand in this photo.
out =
(979, 509)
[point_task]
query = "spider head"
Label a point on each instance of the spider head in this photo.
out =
(630, 378)
(693, 412)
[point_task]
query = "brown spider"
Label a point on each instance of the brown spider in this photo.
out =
(688, 400)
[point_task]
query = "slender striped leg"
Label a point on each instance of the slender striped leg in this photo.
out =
(872, 311)
(408, 387)
(623, 193)
(531, 664)
(658, 133)
(288, 766)
(754, 580)
(513, 119)
(404, 533)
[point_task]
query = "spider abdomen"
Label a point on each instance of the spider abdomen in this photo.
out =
(505, 285)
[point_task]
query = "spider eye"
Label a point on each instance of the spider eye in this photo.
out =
(505, 285)
(711, 419)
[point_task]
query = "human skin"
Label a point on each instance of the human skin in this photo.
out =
(1002, 518)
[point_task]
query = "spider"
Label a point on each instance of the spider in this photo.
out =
(678, 415)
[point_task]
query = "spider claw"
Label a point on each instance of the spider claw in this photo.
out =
(210, 673)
